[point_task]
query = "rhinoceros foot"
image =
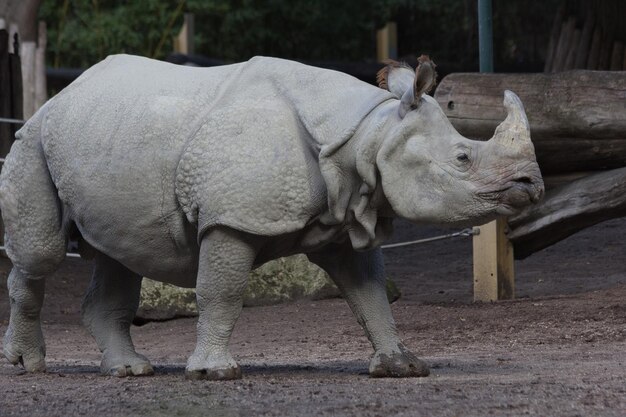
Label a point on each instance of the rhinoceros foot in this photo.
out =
(214, 374)
(400, 363)
(25, 345)
(218, 368)
(125, 364)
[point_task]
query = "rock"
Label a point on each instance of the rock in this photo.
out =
(161, 301)
(288, 279)
(284, 279)
(393, 292)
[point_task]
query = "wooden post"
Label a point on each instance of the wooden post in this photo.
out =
(387, 42)
(183, 42)
(27, 56)
(41, 87)
(494, 277)
(494, 272)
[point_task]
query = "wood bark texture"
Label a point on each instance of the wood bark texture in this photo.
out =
(568, 209)
(577, 118)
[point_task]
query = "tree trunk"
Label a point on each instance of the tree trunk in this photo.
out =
(567, 209)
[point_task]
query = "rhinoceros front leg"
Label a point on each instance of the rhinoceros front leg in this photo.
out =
(226, 258)
(360, 277)
(108, 311)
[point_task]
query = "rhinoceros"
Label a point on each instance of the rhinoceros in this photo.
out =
(194, 176)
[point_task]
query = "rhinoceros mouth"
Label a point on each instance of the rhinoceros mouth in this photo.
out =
(515, 196)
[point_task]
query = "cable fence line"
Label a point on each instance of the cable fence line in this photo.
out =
(463, 233)
(12, 121)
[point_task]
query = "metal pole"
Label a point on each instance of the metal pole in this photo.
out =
(494, 269)
(485, 36)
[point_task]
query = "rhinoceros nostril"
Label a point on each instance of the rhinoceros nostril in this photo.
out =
(524, 180)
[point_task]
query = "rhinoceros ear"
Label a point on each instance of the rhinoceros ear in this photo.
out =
(396, 77)
(425, 80)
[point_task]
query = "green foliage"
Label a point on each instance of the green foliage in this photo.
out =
(82, 32)
(448, 30)
(312, 30)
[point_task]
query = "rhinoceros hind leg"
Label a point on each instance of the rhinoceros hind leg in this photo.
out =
(35, 242)
(108, 311)
(360, 277)
(23, 341)
(226, 257)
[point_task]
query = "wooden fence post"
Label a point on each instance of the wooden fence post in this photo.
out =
(387, 42)
(494, 272)
(184, 42)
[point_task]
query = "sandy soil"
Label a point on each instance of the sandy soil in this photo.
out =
(558, 350)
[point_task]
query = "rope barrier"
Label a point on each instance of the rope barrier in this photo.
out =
(13, 121)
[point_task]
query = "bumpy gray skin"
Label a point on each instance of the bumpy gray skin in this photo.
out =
(194, 176)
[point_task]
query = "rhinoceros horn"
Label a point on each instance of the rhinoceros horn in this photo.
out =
(514, 131)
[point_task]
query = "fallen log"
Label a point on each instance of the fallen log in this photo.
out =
(567, 209)
(564, 155)
(579, 103)
(577, 118)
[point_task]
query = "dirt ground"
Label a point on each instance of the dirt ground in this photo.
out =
(558, 350)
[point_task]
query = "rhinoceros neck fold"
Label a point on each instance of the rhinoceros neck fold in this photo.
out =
(355, 195)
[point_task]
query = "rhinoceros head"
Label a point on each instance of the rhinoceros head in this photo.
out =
(430, 173)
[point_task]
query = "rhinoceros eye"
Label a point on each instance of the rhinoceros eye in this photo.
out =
(462, 157)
